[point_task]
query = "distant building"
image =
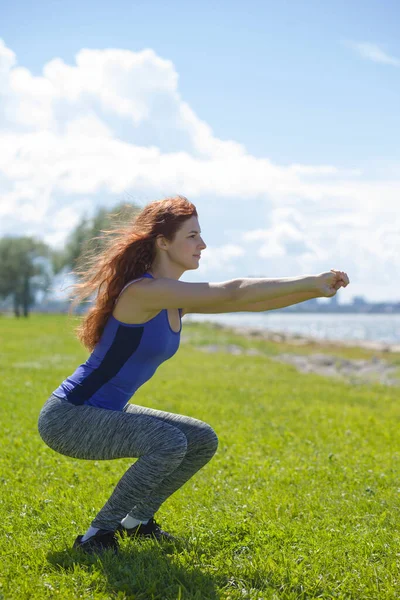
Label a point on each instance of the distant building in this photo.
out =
(359, 301)
(312, 303)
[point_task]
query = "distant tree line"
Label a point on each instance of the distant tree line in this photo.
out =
(28, 265)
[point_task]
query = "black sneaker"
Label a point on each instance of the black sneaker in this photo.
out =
(102, 540)
(148, 530)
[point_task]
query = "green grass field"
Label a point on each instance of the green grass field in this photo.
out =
(300, 501)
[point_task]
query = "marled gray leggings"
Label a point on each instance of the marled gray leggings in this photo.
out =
(170, 449)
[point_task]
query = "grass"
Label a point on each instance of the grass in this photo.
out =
(300, 501)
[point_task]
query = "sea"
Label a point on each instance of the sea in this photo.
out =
(324, 326)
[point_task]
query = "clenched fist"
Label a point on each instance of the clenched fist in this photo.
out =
(328, 283)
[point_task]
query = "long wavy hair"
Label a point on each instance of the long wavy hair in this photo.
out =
(126, 253)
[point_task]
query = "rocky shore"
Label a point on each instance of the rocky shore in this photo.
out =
(371, 370)
(299, 340)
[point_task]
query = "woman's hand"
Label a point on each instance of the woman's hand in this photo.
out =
(328, 283)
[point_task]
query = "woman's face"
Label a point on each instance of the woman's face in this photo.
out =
(186, 248)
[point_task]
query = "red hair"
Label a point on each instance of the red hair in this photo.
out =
(127, 253)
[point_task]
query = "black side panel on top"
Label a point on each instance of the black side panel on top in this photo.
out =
(125, 343)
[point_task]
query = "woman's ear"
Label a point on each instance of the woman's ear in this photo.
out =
(161, 242)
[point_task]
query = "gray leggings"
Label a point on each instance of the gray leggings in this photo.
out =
(170, 448)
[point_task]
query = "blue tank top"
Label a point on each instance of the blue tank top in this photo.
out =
(125, 357)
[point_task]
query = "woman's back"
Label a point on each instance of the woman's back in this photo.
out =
(126, 356)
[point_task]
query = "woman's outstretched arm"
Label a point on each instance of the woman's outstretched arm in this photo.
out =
(282, 302)
(260, 306)
(164, 292)
(323, 285)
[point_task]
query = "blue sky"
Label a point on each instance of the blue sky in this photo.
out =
(300, 98)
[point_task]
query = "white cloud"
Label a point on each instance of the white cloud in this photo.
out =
(7, 60)
(223, 257)
(114, 122)
(289, 236)
(374, 52)
(365, 244)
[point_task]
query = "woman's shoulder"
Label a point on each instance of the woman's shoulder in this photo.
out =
(128, 308)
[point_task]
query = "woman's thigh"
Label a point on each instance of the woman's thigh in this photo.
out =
(197, 432)
(98, 434)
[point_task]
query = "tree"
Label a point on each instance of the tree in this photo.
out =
(87, 229)
(23, 270)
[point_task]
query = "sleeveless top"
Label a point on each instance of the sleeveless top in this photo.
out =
(125, 357)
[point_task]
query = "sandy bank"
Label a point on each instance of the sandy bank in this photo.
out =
(372, 370)
(299, 340)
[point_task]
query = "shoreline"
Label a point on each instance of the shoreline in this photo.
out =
(301, 340)
(373, 369)
(297, 339)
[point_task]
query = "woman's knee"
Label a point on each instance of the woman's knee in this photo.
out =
(173, 442)
(206, 440)
(212, 441)
(45, 427)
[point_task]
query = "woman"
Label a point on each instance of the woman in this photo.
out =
(132, 327)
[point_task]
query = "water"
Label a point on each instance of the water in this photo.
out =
(332, 326)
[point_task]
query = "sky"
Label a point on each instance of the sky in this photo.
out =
(279, 120)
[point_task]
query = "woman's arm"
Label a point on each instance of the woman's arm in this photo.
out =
(253, 290)
(260, 306)
(288, 300)
(165, 292)
(324, 285)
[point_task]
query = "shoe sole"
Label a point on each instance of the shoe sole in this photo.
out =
(78, 545)
(136, 534)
